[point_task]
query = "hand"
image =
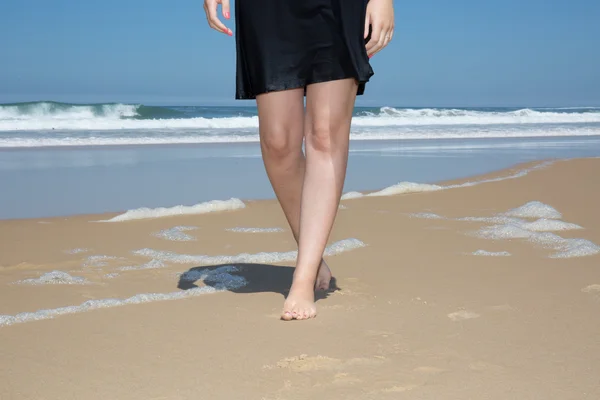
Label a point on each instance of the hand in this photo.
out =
(210, 8)
(380, 16)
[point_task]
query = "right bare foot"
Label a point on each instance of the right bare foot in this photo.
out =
(300, 302)
(323, 277)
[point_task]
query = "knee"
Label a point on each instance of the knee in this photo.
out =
(279, 143)
(319, 137)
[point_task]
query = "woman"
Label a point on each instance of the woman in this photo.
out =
(318, 49)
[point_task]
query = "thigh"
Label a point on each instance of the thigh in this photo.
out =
(281, 117)
(329, 106)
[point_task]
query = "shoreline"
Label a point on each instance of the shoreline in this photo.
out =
(515, 168)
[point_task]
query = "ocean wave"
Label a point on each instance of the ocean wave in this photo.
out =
(22, 140)
(40, 116)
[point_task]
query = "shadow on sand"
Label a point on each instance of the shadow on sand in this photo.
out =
(261, 278)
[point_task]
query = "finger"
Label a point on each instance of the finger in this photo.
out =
(380, 43)
(367, 23)
(214, 20)
(225, 9)
(375, 35)
(387, 38)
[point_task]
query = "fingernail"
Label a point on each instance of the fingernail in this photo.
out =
(370, 55)
(227, 15)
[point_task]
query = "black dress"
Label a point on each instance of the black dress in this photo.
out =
(286, 44)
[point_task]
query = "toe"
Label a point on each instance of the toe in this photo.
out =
(286, 316)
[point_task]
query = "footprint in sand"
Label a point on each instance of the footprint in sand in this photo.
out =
(462, 315)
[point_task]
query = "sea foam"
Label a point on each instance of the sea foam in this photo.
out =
(491, 253)
(97, 261)
(176, 234)
(534, 209)
(414, 187)
(152, 264)
(254, 230)
(565, 248)
(201, 208)
(61, 116)
(256, 258)
(222, 276)
(55, 278)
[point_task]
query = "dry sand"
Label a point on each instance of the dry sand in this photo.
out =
(416, 315)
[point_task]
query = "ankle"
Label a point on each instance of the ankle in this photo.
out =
(302, 281)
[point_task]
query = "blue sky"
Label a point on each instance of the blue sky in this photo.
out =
(444, 53)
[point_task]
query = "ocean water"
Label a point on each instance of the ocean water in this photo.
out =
(41, 124)
(63, 159)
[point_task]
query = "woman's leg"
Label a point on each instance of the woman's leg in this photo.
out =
(329, 107)
(281, 122)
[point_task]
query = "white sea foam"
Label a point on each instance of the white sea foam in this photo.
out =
(462, 315)
(595, 288)
(534, 209)
(55, 278)
(518, 174)
(496, 219)
(351, 195)
(44, 111)
(176, 234)
(256, 258)
(201, 208)
(77, 251)
(222, 276)
(491, 253)
(43, 116)
(549, 225)
(426, 215)
(98, 260)
(254, 230)
(158, 136)
(390, 116)
(152, 264)
(111, 275)
(506, 231)
(576, 248)
(405, 187)
(565, 248)
(413, 187)
(399, 188)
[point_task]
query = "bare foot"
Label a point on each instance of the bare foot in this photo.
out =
(323, 277)
(300, 302)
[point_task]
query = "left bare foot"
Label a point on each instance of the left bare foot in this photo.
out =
(323, 277)
(300, 302)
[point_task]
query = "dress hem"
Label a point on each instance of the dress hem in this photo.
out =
(300, 83)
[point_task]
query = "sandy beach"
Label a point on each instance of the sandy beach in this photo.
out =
(482, 288)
